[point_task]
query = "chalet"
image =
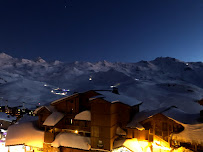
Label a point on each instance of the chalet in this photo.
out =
(96, 118)
(101, 120)
(169, 126)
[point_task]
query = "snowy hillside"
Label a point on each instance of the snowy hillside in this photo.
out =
(161, 82)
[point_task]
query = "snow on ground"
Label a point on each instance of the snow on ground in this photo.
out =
(71, 140)
(4, 116)
(53, 119)
(26, 134)
(84, 115)
(190, 134)
(159, 83)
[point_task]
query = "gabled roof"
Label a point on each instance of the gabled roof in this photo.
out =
(113, 98)
(65, 98)
(53, 119)
(170, 112)
(48, 108)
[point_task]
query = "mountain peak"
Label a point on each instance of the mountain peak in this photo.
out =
(167, 59)
(5, 56)
(40, 60)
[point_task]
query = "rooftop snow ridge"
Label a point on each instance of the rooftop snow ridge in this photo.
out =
(5, 56)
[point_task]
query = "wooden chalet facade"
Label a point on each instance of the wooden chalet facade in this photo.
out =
(102, 128)
(104, 118)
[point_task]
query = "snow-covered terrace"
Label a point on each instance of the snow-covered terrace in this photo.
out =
(53, 119)
(190, 134)
(25, 134)
(84, 115)
(72, 140)
(112, 97)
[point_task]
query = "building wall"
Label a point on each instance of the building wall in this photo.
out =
(157, 125)
(42, 116)
(68, 105)
(4, 124)
(105, 118)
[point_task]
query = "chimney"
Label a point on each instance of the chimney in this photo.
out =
(115, 90)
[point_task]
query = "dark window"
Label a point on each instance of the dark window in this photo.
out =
(88, 134)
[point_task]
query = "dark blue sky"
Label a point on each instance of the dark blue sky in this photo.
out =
(93, 30)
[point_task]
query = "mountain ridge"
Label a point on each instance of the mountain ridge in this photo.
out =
(160, 82)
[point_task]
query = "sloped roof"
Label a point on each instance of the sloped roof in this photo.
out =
(5, 117)
(143, 115)
(181, 116)
(170, 112)
(84, 115)
(25, 133)
(53, 119)
(71, 140)
(49, 108)
(120, 131)
(112, 97)
(65, 98)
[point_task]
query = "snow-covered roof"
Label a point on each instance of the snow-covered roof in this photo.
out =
(61, 99)
(49, 108)
(71, 140)
(27, 118)
(143, 115)
(120, 131)
(84, 115)
(112, 97)
(53, 119)
(26, 134)
(181, 116)
(5, 117)
(190, 134)
(171, 112)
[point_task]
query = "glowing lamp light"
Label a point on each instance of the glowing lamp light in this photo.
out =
(76, 131)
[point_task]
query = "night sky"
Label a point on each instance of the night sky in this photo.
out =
(94, 30)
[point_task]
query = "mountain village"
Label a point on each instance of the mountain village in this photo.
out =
(102, 120)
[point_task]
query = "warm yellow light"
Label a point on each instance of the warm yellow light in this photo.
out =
(76, 131)
(135, 145)
(158, 145)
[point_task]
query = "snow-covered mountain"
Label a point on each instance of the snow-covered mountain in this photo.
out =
(162, 82)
